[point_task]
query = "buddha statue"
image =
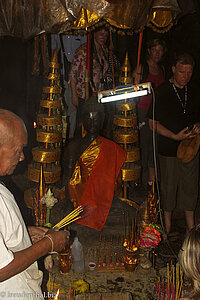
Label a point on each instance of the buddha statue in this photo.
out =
(91, 167)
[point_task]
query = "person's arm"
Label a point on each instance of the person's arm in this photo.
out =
(73, 75)
(36, 233)
(73, 83)
(137, 74)
(162, 130)
(196, 128)
(24, 258)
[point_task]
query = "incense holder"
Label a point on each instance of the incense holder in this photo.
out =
(131, 259)
(65, 262)
(92, 266)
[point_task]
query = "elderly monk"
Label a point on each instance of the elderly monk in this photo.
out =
(19, 274)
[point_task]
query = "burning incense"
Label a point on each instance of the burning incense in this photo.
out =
(122, 248)
(76, 214)
(36, 207)
(111, 243)
(153, 188)
(128, 233)
(173, 275)
(98, 252)
(116, 252)
(132, 229)
(124, 224)
(104, 252)
(168, 278)
(135, 231)
(177, 280)
(163, 288)
(170, 291)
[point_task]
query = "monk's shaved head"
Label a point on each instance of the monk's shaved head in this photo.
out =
(9, 125)
(13, 138)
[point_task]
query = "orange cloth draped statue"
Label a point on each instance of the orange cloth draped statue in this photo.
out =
(93, 180)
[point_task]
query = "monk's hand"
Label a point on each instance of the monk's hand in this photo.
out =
(58, 239)
(36, 233)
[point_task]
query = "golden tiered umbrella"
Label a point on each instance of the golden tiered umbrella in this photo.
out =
(48, 133)
(126, 133)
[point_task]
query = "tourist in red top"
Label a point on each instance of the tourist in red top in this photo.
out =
(151, 71)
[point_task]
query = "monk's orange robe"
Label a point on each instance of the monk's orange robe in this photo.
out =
(93, 180)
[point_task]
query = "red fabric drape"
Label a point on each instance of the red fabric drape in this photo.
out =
(99, 191)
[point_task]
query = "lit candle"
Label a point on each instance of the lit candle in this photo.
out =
(56, 296)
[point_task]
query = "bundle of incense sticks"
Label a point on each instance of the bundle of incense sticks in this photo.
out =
(76, 214)
(172, 288)
(130, 232)
(110, 251)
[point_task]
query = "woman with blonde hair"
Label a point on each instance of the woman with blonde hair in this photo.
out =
(189, 258)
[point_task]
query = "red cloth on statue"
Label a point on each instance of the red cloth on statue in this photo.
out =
(99, 189)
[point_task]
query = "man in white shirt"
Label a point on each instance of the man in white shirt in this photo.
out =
(19, 274)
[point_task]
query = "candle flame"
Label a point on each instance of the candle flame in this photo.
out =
(34, 125)
(56, 297)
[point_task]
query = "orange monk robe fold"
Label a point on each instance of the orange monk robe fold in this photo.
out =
(93, 180)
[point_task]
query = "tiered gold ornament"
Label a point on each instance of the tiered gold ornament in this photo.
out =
(48, 132)
(147, 215)
(148, 211)
(126, 132)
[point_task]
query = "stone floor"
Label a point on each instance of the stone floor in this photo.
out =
(140, 283)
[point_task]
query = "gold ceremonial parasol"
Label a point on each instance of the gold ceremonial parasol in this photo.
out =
(74, 16)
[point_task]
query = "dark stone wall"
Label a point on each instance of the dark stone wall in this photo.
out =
(16, 86)
(183, 36)
(13, 64)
